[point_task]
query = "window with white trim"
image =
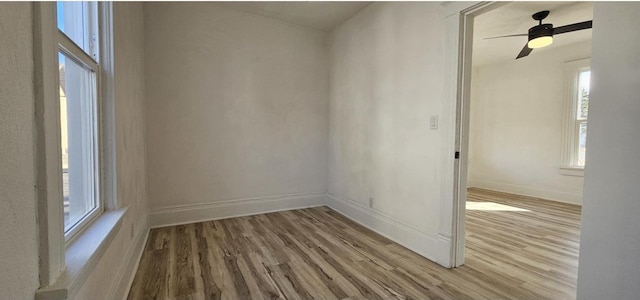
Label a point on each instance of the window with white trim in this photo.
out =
(78, 77)
(78, 212)
(577, 110)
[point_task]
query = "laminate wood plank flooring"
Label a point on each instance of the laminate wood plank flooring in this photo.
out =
(516, 248)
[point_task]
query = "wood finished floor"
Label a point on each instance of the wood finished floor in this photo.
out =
(517, 248)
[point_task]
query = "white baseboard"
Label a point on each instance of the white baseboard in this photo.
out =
(431, 247)
(127, 271)
(186, 214)
(443, 251)
(537, 192)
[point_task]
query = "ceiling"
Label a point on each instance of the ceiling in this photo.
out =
(515, 18)
(319, 15)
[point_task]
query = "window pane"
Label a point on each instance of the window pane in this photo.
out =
(582, 143)
(78, 21)
(78, 139)
(583, 94)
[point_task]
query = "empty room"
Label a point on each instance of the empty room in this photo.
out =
(319, 150)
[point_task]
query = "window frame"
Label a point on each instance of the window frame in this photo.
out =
(64, 262)
(571, 130)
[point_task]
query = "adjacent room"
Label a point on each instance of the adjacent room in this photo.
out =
(527, 131)
(318, 150)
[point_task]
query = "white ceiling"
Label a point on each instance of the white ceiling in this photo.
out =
(319, 15)
(515, 18)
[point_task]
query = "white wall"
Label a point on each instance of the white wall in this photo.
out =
(516, 125)
(237, 109)
(119, 259)
(387, 78)
(610, 239)
(18, 239)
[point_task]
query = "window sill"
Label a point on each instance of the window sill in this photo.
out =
(82, 255)
(572, 171)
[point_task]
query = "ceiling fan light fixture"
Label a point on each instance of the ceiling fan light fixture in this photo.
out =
(540, 42)
(540, 36)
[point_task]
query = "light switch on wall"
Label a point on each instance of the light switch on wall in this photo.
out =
(433, 122)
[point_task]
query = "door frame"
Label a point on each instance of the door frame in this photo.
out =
(459, 17)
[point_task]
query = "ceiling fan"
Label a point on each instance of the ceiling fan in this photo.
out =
(541, 35)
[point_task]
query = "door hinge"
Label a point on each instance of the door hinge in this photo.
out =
(457, 155)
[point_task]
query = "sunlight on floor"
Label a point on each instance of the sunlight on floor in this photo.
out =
(492, 206)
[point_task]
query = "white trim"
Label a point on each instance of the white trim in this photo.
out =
(127, 271)
(443, 251)
(455, 7)
(83, 255)
(47, 140)
(546, 193)
(431, 247)
(571, 171)
(448, 122)
(106, 110)
(193, 213)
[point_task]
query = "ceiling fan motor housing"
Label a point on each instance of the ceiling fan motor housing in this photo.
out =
(540, 30)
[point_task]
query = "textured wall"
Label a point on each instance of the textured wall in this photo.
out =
(386, 80)
(18, 240)
(610, 239)
(516, 129)
(236, 105)
(130, 105)
(131, 157)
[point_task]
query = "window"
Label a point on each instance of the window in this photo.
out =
(78, 69)
(577, 110)
(78, 213)
(584, 79)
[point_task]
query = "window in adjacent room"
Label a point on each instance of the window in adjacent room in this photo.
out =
(578, 81)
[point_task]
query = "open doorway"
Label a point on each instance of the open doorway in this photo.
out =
(523, 127)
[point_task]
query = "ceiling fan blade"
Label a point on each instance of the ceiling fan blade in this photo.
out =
(524, 52)
(503, 36)
(573, 27)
